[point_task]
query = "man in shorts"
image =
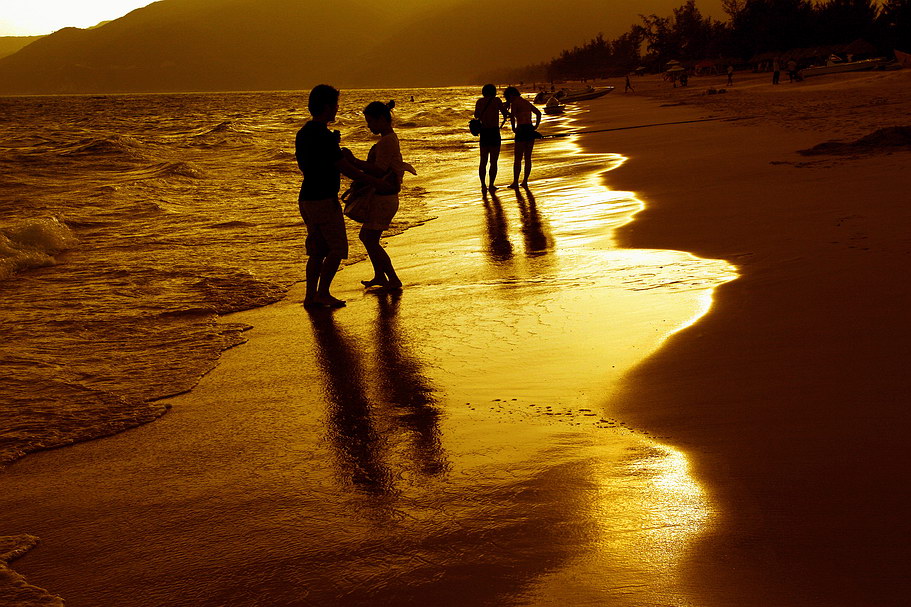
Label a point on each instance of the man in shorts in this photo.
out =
(322, 162)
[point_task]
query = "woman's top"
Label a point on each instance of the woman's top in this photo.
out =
(387, 155)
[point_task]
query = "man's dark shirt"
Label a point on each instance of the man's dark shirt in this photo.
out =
(317, 150)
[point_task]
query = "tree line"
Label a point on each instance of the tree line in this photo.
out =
(753, 27)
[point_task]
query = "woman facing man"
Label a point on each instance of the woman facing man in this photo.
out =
(384, 161)
(519, 111)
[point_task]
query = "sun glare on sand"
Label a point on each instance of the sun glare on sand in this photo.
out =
(39, 17)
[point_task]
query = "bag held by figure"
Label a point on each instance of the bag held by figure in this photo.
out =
(358, 197)
(357, 201)
(474, 125)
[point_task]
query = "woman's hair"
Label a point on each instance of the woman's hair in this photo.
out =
(378, 109)
(489, 90)
(321, 97)
(511, 91)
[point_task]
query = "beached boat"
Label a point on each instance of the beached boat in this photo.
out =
(585, 94)
(848, 66)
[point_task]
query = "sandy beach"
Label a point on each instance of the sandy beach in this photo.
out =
(789, 396)
(669, 373)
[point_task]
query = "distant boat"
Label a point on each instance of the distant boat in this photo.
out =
(585, 94)
(847, 66)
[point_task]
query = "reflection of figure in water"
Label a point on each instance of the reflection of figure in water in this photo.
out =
(487, 109)
(320, 159)
(401, 383)
(498, 244)
(537, 241)
(385, 161)
(351, 429)
(520, 112)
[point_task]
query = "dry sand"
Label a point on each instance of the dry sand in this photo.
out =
(493, 435)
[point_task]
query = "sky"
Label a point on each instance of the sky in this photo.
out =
(39, 17)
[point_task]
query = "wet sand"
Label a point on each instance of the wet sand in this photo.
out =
(791, 396)
(492, 435)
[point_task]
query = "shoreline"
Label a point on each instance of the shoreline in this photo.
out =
(455, 415)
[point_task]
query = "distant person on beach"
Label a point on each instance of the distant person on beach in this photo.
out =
(776, 70)
(322, 162)
(792, 71)
(628, 85)
(384, 161)
(730, 75)
(488, 109)
(520, 112)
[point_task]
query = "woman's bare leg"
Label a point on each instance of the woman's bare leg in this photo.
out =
(383, 273)
(529, 146)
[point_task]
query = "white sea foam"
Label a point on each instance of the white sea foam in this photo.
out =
(14, 589)
(33, 244)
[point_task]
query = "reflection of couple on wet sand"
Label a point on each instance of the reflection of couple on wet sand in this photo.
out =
(537, 239)
(322, 161)
(377, 405)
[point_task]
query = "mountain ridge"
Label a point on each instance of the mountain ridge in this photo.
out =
(221, 45)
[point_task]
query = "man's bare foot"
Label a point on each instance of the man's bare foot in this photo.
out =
(389, 285)
(492, 188)
(524, 184)
(513, 186)
(374, 282)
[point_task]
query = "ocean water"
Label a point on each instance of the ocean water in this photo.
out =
(129, 223)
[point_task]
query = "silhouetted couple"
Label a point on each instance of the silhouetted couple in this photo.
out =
(519, 111)
(322, 160)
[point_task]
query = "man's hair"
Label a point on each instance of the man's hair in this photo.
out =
(511, 91)
(489, 90)
(321, 97)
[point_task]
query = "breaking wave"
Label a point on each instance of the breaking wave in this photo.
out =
(33, 244)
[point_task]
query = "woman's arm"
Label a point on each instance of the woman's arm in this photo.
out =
(361, 165)
(347, 169)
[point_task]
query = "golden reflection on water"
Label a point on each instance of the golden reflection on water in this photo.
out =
(571, 313)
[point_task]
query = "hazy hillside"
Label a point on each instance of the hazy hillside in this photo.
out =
(198, 45)
(11, 44)
(179, 45)
(450, 47)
